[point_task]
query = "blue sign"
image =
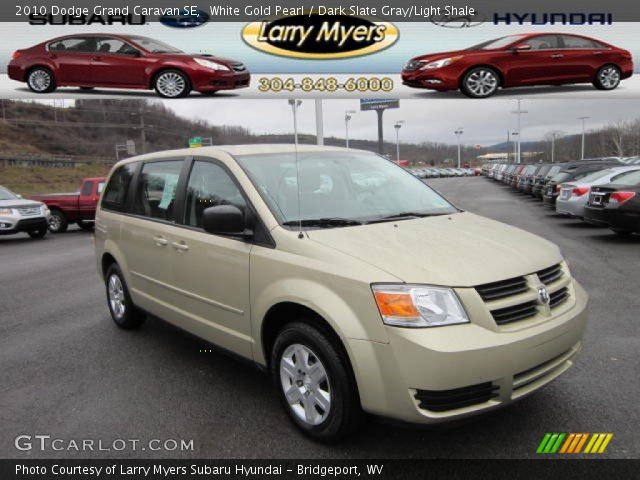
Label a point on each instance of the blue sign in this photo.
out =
(190, 20)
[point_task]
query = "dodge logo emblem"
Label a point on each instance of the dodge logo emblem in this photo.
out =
(543, 296)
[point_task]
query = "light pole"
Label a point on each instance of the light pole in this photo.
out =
(294, 108)
(398, 126)
(519, 112)
(582, 149)
(458, 134)
(347, 117)
(553, 146)
(515, 145)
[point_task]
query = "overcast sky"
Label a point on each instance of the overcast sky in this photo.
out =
(485, 122)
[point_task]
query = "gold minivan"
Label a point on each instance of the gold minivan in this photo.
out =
(357, 287)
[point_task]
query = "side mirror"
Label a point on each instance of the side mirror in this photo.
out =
(523, 47)
(225, 220)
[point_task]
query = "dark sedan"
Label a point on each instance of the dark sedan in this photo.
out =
(571, 172)
(616, 204)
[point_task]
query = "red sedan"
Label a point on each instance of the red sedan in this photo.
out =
(123, 61)
(521, 60)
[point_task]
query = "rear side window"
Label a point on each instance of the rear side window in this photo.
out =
(579, 42)
(156, 189)
(87, 188)
(115, 195)
(75, 45)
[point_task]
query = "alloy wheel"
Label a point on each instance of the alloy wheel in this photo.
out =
(482, 82)
(39, 80)
(171, 84)
(305, 384)
(54, 223)
(116, 296)
(609, 77)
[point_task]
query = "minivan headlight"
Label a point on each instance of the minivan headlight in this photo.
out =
(418, 306)
(6, 211)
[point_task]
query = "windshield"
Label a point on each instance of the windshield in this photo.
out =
(561, 177)
(7, 194)
(592, 177)
(355, 186)
(497, 43)
(629, 178)
(153, 46)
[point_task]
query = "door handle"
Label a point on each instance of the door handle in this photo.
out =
(557, 55)
(180, 246)
(597, 53)
(160, 241)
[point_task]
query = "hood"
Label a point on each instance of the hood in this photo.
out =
(460, 250)
(19, 203)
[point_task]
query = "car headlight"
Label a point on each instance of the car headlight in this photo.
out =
(45, 210)
(211, 65)
(440, 63)
(418, 306)
(6, 211)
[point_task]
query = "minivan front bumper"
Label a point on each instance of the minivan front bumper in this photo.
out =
(440, 374)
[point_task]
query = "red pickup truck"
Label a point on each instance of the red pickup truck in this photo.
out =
(79, 207)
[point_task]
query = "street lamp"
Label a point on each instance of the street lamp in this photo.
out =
(519, 112)
(582, 150)
(347, 117)
(398, 126)
(458, 134)
(294, 108)
(515, 145)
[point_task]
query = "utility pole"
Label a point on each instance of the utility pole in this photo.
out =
(319, 122)
(143, 133)
(519, 112)
(347, 117)
(458, 134)
(294, 108)
(380, 132)
(398, 126)
(582, 149)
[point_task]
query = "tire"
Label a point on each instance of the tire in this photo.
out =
(607, 78)
(85, 225)
(38, 233)
(480, 82)
(58, 222)
(41, 80)
(172, 84)
(326, 408)
(123, 312)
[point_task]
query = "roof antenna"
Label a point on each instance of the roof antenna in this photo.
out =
(295, 103)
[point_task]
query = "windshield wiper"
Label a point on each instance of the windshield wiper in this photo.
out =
(323, 222)
(403, 215)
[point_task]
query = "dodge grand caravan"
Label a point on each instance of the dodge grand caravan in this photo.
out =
(354, 284)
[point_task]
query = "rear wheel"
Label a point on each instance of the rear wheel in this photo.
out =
(58, 222)
(41, 80)
(315, 383)
(172, 84)
(123, 312)
(607, 78)
(480, 82)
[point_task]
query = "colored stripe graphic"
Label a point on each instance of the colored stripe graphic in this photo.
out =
(573, 443)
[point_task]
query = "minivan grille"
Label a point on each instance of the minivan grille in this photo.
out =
(514, 313)
(502, 289)
(551, 274)
(443, 400)
(558, 297)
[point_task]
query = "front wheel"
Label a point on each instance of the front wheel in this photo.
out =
(38, 233)
(41, 80)
(480, 82)
(607, 78)
(172, 84)
(58, 222)
(315, 383)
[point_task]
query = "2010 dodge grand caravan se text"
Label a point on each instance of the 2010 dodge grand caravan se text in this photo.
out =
(353, 283)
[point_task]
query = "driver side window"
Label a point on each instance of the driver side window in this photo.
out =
(209, 185)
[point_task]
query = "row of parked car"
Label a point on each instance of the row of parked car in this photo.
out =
(600, 191)
(445, 172)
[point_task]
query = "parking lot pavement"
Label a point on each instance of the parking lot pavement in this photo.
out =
(68, 372)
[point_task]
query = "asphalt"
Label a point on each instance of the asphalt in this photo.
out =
(68, 372)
